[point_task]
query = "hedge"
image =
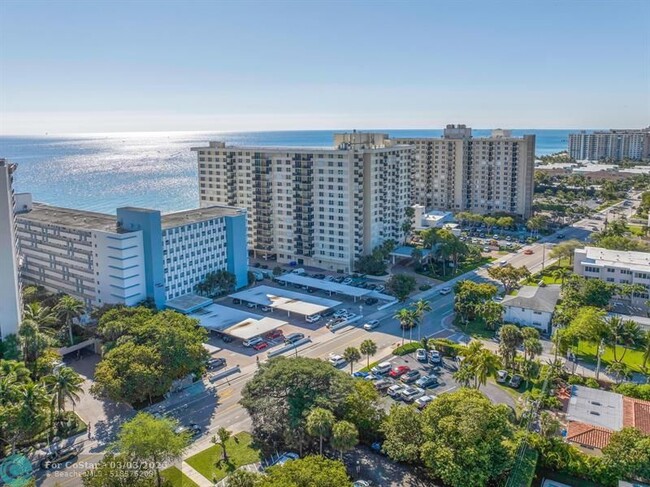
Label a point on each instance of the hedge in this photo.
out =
(445, 346)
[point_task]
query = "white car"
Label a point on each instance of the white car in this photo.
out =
(410, 394)
(395, 391)
(329, 278)
(312, 318)
(381, 288)
(340, 313)
(381, 368)
(336, 360)
(421, 354)
(445, 290)
(371, 325)
(423, 401)
(347, 281)
(251, 305)
(502, 376)
(251, 342)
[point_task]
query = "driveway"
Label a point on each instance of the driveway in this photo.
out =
(364, 464)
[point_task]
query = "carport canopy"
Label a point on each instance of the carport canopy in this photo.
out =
(334, 287)
(235, 322)
(289, 301)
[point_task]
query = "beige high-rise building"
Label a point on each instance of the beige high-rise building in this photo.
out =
(321, 207)
(458, 172)
(614, 145)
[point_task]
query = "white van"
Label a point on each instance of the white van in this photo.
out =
(382, 368)
(312, 318)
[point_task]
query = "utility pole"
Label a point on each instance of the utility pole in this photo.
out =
(543, 255)
(601, 349)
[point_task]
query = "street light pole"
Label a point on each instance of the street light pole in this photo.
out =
(601, 350)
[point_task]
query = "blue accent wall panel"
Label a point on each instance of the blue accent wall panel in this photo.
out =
(149, 222)
(237, 252)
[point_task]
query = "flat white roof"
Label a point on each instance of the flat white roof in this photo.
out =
(596, 407)
(235, 322)
(335, 287)
(617, 258)
(285, 300)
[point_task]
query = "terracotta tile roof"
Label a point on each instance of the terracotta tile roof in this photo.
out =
(636, 414)
(588, 435)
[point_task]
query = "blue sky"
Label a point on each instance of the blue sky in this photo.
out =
(198, 65)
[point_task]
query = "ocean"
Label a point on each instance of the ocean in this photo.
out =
(101, 172)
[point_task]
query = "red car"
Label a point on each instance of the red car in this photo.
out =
(261, 346)
(274, 334)
(528, 252)
(399, 371)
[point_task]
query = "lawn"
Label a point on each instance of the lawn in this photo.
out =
(637, 230)
(547, 275)
(476, 328)
(177, 478)
(633, 358)
(462, 269)
(367, 369)
(210, 464)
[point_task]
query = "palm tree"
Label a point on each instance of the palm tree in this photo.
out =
(223, 435)
(34, 334)
(319, 423)
(464, 375)
(620, 371)
(421, 307)
(491, 313)
(625, 333)
(64, 384)
(561, 274)
(484, 364)
(351, 355)
(406, 318)
(646, 353)
(345, 436)
(67, 309)
(368, 348)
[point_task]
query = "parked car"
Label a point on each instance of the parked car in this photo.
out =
(423, 401)
(360, 375)
(251, 305)
(410, 376)
(261, 346)
(252, 341)
(193, 429)
(347, 281)
(434, 357)
(336, 360)
(311, 290)
(216, 363)
(371, 301)
(515, 382)
(312, 318)
(327, 313)
(293, 337)
(502, 376)
(339, 313)
(334, 321)
(421, 354)
(383, 384)
(329, 278)
(319, 276)
(427, 381)
(59, 457)
(236, 301)
(395, 391)
(265, 308)
(286, 457)
(399, 371)
(381, 368)
(410, 394)
(445, 290)
(371, 325)
(273, 334)
(503, 263)
(381, 288)
(361, 483)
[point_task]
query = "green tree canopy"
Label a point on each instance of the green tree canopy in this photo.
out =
(401, 285)
(628, 454)
(311, 471)
(283, 391)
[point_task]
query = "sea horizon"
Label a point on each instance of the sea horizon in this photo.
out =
(156, 169)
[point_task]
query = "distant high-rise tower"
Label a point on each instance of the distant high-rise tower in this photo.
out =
(10, 300)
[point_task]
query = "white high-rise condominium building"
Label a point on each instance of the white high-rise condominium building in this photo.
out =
(321, 207)
(615, 145)
(458, 172)
(10, 300)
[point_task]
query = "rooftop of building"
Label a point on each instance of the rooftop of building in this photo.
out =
(179, 218)
(537, 298)
(70, 217)
(90, 220)
(617, 258)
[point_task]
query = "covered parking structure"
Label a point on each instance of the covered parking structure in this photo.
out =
(406, 252)
(286, 300)
(333, 287)
(234, 322)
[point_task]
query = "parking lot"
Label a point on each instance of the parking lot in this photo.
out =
(442, 371)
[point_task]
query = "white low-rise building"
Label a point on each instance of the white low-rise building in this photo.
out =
(615, 266)
(423, 219)
(532, 306)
